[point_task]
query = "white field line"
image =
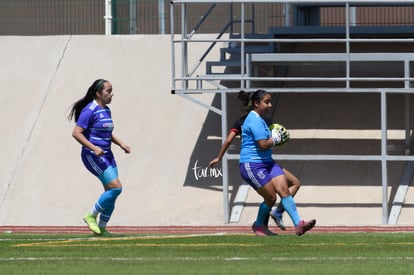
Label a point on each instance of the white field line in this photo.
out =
(279, 259)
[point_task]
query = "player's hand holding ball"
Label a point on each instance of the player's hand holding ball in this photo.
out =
(280, 134)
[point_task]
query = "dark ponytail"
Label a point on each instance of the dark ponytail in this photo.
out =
(97, 86)
(245, 99)
(248, 99)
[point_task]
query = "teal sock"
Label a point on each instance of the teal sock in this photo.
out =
(290, 207)
(107, 199)
(263, 214)
(266, 219)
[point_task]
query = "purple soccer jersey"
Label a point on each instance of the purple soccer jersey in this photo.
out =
(98, 125)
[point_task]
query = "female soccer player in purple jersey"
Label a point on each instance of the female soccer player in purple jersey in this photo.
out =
(260, 171)
(93, 130)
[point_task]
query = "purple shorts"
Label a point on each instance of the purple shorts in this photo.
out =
(258, 174)
(103, 167)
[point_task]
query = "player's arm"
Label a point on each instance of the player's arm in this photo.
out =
(261, 135)
(265, 144)
(121, 144)
(275, 139)
(77, 133)
(224, 147)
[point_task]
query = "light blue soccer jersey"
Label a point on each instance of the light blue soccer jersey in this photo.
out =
(98, 125)
(254, 128)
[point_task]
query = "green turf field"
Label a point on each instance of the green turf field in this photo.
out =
(334, 253)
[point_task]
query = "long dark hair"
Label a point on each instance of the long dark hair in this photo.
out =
(97, 86)
(248, 99)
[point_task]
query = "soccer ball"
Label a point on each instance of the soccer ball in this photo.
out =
(279, 129)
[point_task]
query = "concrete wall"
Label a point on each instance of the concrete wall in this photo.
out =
(42, 179)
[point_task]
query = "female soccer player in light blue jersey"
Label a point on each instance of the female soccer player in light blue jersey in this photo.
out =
(93, 130)
(259, 170)
(293, 182)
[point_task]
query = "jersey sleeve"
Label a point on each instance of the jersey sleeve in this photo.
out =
(84, 118)
(237, 125)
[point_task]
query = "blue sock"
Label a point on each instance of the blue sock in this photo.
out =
(105, 216)
(107, 199)
(290, 207)
(263, 214)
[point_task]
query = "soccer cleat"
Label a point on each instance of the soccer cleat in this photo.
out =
(90, 220)
(268, 232)
(303, 226)
(104, 233)
(262, 230)
(278, 220)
